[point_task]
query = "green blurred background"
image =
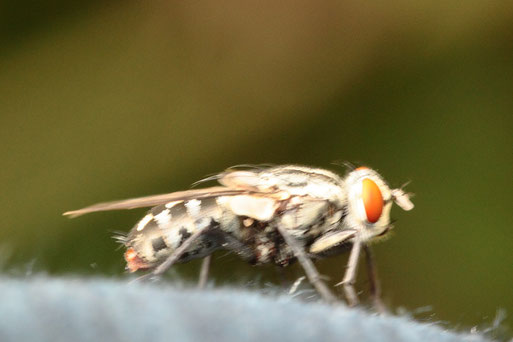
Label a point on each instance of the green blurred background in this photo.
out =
(103, 101)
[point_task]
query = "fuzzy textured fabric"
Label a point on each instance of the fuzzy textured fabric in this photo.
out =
(63, 309)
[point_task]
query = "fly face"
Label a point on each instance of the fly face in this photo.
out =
(369, 200)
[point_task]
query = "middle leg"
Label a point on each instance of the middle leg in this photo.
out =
(311, 272)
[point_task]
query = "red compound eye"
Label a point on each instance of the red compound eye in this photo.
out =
(372, 200)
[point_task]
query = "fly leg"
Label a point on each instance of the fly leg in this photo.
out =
(296, 284)
(375, 287)
(311, 272)
(205, 266)
(350, 275)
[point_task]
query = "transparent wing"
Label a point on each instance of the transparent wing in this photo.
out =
(154, 200)
(244, 169)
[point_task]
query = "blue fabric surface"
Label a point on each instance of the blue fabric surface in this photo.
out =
(48, 309)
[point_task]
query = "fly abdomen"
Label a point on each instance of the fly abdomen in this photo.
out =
(167, 226)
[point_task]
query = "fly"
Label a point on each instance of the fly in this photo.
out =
(265, 215)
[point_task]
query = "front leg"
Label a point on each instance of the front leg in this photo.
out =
(375, 287)
(350, 275)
